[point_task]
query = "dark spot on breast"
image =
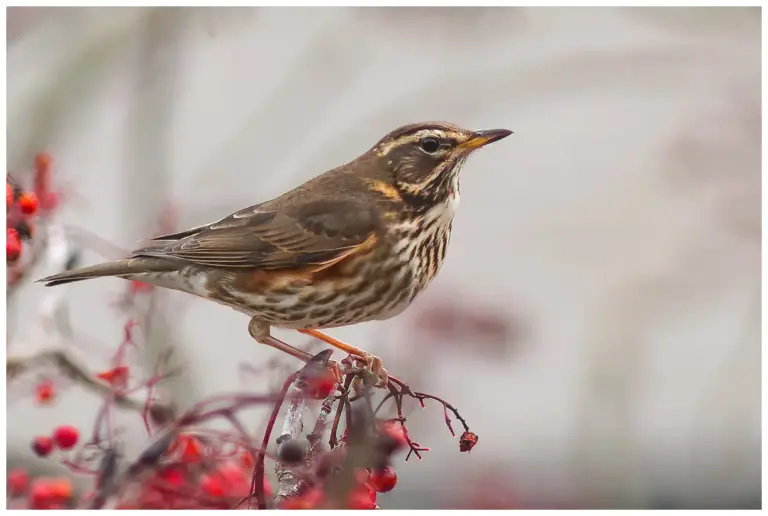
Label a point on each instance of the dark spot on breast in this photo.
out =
(382, 288)
(414, 250)
(295, 316)
(406, 280)
(320, 314)
(361, 287)
(358, 315)
(405, 295)
(359, 304)
(327, 298)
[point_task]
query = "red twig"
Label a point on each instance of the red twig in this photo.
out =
(257, 482)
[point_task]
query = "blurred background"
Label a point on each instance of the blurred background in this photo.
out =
(598, 317)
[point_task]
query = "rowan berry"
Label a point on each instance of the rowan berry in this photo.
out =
(28, 203)
(384, 480)
(66, 437)
(42, 446)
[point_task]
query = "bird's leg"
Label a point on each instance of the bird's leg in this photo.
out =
(372, 362)
(260, 333)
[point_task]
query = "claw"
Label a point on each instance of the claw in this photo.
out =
(372, 362)
(369, 366)
(335, 369)
(376, 368)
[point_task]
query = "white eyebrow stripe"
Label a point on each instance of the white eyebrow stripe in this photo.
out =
(418, 135)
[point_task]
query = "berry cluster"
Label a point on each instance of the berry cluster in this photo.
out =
(362, 496)
(327, 486)
(20, 208)
(43, 493)
(194, 472)
(188, 464)
(64, 438)
(23, 206)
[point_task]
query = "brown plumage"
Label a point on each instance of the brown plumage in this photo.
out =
(354, 244)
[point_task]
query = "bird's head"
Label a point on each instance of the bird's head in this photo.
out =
(423, 160)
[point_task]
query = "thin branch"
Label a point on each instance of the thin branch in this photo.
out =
(64, 362)
(334, 440)
(257, 482)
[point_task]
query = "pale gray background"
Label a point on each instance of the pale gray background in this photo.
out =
(620, 224)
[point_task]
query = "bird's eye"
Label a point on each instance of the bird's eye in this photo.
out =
(430, 144)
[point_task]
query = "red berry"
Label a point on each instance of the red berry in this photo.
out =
(172, 475)
(212, 485)
(384, 480)
(362, 497)
(233, 476)
(467, 441)
(44, 392)
(60, 488)
(231, 473)
(40, 496)
(66, 436)
(42, 446)
(321, 385)
(12, 246)
(28, 203)
(50, 493)
(117, 377)
(8, 195)
(18, 481)
(191, 448)
(394, 433)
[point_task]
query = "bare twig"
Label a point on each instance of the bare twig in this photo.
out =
(334, 441)
(420, 396)
(64, 362)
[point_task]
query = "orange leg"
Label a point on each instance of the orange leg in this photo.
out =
(372, 362)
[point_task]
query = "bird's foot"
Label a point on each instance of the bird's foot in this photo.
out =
(368, 366)
(371, 363)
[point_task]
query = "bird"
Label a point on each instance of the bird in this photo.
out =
(354, 244)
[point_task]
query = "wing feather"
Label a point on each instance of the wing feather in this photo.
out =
(274, 236)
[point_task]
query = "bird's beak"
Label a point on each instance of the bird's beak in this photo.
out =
(482, 138)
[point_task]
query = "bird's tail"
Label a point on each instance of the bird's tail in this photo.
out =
(120, 268)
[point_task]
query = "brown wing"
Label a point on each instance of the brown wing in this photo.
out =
(274, 236)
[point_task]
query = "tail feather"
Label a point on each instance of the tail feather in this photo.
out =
(120, 268)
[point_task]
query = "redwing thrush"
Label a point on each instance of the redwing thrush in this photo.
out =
(354, 244)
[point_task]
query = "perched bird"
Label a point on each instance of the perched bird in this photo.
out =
(355, 244)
